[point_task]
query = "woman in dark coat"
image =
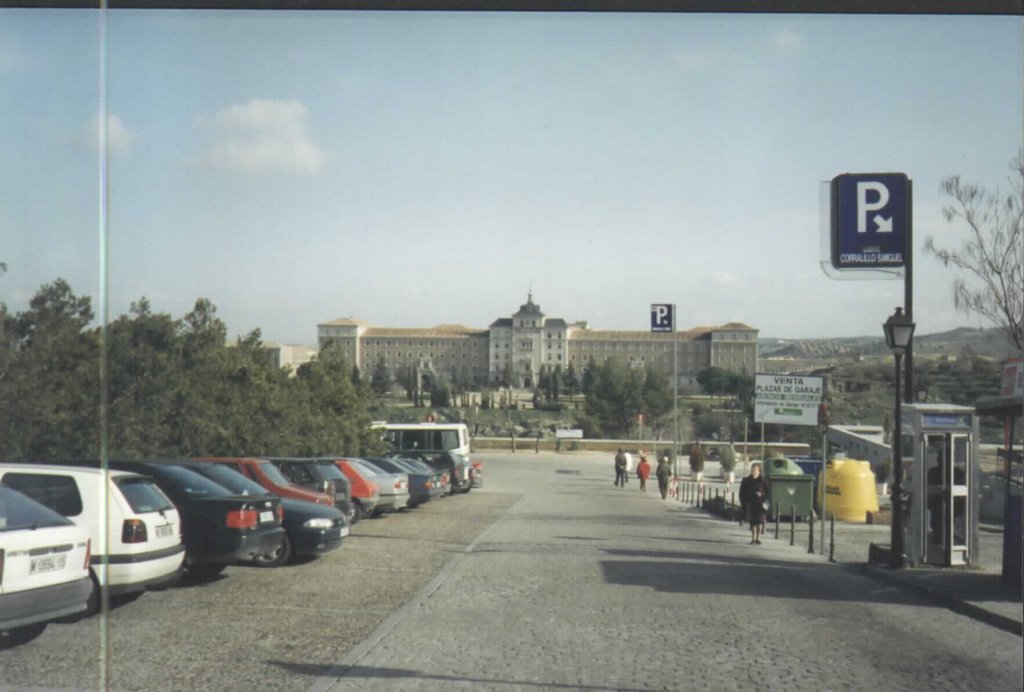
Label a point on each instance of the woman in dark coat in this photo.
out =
(753, 493)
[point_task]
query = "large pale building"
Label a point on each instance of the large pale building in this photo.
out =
(520, 345)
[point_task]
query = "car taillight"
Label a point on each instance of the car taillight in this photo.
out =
(133, 531)
(280, 514)
(88, 553)
(429, 485)
(241, 519)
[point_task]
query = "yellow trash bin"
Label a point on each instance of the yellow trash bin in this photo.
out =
(850, 485)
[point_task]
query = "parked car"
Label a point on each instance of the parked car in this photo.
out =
(421, 481)
(310, 529)
(315, 474)
(441, 484)
(394, 487)
(456, 465)
(218, 527)
(365, 493)
(264, 472)
(143, 548)
(44, 567)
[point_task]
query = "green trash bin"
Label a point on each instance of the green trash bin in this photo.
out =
(791, 488)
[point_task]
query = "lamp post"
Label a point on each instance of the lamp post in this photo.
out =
(898, 330)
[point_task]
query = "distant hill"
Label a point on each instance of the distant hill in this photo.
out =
(963, 340)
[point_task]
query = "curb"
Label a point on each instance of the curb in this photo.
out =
(955, 604)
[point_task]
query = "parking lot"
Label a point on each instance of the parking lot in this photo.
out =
(259, 628)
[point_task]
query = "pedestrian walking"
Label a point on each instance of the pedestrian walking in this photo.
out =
(754, 500)
(620, 468)
(643, 472)
(629, 467)
(664, 473)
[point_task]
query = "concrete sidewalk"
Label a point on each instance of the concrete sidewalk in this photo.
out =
(977, 591)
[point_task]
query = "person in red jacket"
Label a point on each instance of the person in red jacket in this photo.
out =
(643, 471)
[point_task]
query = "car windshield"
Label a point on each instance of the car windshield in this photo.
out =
(143, 495)
(20, 512)
(229, 478)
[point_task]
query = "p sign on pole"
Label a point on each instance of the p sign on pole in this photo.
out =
(663, 317)
(871, 220)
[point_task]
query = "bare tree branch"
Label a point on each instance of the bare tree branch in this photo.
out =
(989, 281)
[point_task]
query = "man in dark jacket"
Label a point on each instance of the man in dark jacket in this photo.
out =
(664, 474)
(620, 468)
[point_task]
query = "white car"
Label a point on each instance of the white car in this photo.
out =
(44, 567)
(143, 530)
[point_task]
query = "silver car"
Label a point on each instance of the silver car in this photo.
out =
(394, 487)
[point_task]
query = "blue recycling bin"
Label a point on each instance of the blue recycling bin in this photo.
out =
(812, 467)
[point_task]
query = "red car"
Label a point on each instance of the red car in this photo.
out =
(365, 493)
(270, 477)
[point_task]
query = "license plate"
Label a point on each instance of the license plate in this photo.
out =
(164, 531)
(344, 531)
(266, 516)
(47, 563)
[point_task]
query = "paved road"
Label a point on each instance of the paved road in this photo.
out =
(580, 585)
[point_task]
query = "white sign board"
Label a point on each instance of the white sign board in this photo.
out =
(788, 399)
(569, 433)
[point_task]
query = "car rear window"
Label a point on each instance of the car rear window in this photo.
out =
(59, 493)
(20, 512)
(273, 474)
(365, 468)
(142, 495)
(389, 465)
(230, 479)
(329, 470)
(187, 482)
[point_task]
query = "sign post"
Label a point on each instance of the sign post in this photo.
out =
(663, 319)
(871, 228)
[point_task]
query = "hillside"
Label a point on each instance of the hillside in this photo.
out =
(961, 341)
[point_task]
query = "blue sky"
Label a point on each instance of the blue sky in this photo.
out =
(412, 169)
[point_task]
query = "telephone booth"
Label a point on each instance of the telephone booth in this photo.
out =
(940, 478)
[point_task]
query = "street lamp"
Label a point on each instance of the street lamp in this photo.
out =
(898, 331)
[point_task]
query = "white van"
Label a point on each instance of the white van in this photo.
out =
(143, 541)
(449, 437)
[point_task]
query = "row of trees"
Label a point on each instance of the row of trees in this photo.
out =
(165, 388)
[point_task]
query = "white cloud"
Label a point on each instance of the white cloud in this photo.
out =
(724, 277)
(261, 136)
(119, 137)
(787, 39)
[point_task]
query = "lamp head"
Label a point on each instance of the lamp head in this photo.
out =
(898, 331)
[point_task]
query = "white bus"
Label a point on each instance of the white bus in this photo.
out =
(451, 437)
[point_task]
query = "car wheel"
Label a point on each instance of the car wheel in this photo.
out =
(277, 557)
(21, 635)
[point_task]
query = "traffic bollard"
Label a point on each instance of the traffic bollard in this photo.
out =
(792, 525)
(777, 520)
(732, 507)
(832, 540)
(810, 533)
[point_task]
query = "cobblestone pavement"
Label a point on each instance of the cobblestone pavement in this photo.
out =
(580, 585)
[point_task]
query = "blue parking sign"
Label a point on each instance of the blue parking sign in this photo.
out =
(871, 217)
(663, 317)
